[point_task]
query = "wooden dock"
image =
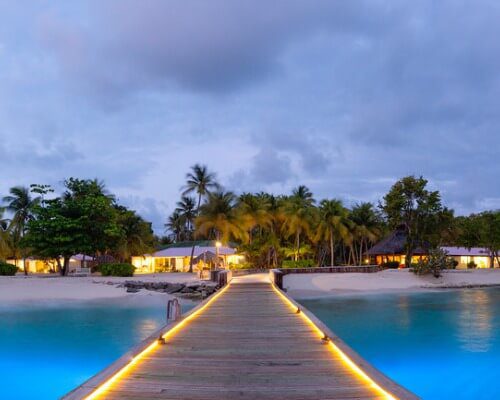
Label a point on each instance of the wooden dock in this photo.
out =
(247, 342)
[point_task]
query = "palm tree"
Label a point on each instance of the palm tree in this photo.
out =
(4, 236)
(201, 182)
(186, 210)
(21, 204)
(220, 217)
(366, 226)
(176, 225)
(298, 213)
(333, 224)
(255, 209)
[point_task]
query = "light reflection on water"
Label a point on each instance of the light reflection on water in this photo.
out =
(440, 345)
(47, 351)
(475, 321)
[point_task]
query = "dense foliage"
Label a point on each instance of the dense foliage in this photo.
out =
(85, 219)
(410, 206)
(434, 263)
(271, 230)
(117, 269)
(7, 269)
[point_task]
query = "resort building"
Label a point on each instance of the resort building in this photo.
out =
(175, 257)
(392, 248)
(39, 266)
(475, 257)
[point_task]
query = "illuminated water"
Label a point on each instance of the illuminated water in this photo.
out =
(47, 351)
(443, 345)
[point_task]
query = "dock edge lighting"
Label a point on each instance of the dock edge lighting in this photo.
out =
(336, 350)
(106, 385)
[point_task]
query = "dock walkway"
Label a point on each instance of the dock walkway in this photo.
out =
(246, 343)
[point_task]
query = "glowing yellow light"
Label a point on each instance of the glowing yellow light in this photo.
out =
(218, 244)
(106, 385)
(347, 361)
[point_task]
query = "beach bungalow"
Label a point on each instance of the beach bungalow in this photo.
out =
(392, 248)
(36, 265)
(175, 257)
(475, 257)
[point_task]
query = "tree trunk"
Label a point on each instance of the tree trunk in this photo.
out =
(361, 252)
(332, 251)
(192, 248)
(66, 265)
(297, 244)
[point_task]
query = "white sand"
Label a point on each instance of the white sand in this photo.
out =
(18, 289)
(320, 285)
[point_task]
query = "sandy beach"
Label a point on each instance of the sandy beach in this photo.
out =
(324, 285)
(32, 289)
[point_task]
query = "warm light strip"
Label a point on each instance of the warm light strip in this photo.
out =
(347, 361)
(106, 385)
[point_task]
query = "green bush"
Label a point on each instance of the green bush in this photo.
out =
(436, 262)
(298, 264)
(471, 265)
(243, 265)
(390, 264)
(7, 269)
(117, 269)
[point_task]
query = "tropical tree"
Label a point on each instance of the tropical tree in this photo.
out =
(4, 236)
(333, 225)
(21, 204)
(220, 218)
(137, 235)
(83, 220)
(201, 182)
(416, 210)
(176, 226)
(298, 212)
(186, 209)
(366, 227)
(256, 211)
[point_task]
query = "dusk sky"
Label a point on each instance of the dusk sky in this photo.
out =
(342, 96)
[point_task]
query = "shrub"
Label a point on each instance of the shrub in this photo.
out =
(298, 264)
(471, 265)
(7, 269)
(390, 264)
(434, 264)
(243, 265)
(117, 269)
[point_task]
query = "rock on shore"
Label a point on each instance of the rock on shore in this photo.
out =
(191, 290)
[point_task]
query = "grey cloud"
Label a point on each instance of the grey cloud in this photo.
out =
(215, 46)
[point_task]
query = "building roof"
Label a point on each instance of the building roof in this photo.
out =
(186, 251)
(393, 244)
(464, 251)
(190, 244)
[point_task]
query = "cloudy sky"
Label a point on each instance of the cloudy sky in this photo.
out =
(342, 96)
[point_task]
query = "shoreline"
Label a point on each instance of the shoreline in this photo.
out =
(49, 291)
(319, 286)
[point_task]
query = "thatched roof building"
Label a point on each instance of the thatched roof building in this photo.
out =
(392, 248)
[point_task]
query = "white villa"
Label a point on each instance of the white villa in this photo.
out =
(176, 257)
(480, 256)
(39, 266)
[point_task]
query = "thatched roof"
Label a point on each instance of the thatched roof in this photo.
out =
(393, 244)
(207, 256)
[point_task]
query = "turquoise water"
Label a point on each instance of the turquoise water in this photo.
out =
(47, 351)
(443, 345)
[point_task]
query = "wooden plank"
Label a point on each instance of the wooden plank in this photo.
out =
(248, 344)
